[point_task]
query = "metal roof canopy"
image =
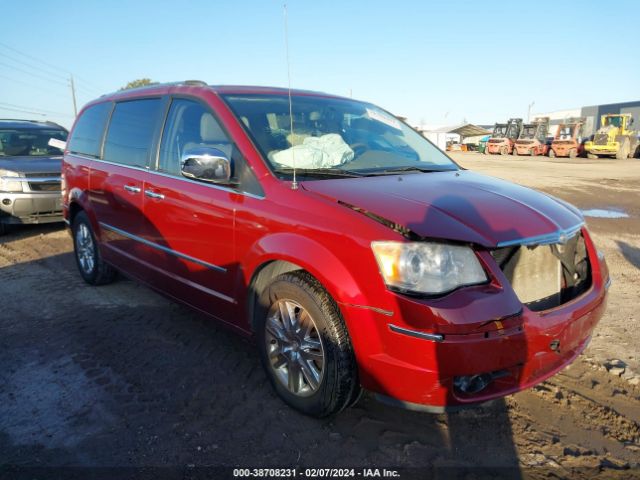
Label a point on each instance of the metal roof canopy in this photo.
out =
(468, 130)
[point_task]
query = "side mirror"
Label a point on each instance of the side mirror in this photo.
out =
(206, 164)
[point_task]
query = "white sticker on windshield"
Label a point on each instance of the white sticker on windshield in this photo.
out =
(384, 118)
(54, 142)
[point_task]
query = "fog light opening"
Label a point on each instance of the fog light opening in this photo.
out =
(6, 201)
(472, 384)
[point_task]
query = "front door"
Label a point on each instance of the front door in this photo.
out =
(191, 223)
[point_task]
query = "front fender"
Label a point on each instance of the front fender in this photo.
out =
(310, 255)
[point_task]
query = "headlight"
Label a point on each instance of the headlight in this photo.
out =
(427, 267)
(7, 184)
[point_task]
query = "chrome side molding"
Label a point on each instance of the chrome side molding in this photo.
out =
(434, 337)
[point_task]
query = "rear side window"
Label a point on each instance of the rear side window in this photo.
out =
(131, 131)
(87, 134)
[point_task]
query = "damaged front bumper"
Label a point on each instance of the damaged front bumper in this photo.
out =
(483, 344)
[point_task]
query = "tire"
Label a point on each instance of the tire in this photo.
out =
(623, 151)
(504, 150)
(3, 229)
(514, 152)
(573, 153)
(92, 268)
(311, 366)
(552, 153)
(592, 156)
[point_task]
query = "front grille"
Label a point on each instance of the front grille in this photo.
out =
(44, 186)
(600, 138)
(524, 142)
(546, 276)
(563, 142)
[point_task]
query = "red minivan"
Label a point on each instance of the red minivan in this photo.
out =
(356, 253)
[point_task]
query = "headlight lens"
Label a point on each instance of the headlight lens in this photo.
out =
(7, 184)
(427, 267)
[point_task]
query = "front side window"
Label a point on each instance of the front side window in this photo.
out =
(29, 142)
(189, 125)
(86, 137)
(131, 131)
(333, 133)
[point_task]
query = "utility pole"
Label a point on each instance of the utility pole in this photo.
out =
(73, 96)
(529, 111)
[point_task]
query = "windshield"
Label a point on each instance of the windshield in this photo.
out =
(613, 121)
(16, 142)
(499, 131)
(331, 135)
(528, 132)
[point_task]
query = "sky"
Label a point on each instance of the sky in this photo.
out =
(435, 62)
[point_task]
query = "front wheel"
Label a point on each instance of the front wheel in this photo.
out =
(552, 153)
(92, 268)
(573, 153)
(305, 347)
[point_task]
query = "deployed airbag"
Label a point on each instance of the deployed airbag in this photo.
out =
(315, 152)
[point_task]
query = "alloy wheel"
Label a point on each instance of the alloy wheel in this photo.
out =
(294, 348)
(85, 249)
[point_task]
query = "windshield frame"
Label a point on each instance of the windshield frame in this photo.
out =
(307, 174)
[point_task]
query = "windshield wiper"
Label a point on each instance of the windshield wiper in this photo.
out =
(320, 172)
(393, 170)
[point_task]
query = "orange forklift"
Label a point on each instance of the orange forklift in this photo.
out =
(568, 141)
(504, 136)
(533, 138)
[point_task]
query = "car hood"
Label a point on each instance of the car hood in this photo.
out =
(460, 206)
(32, 164)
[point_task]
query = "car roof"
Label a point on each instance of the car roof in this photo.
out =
(163, 88)
(28, 124)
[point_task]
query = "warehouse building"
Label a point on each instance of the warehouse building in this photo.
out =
(592, 115)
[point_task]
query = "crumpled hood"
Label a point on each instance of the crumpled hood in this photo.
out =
(32, 164)
(460, 205)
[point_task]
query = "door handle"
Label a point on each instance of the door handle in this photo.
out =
(132, 189)
(152, 194)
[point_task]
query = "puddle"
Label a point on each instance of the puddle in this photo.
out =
(603, 213)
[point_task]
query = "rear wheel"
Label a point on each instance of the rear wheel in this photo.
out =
(573, 153)
(515, 152)
(305, 347)
(92, 268)
(552, 153)
(504, 150)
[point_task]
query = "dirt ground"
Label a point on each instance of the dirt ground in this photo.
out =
(118, 376)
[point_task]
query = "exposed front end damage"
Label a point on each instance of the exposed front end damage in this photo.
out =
(533, 319)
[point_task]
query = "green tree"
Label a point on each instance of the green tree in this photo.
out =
(141, 82)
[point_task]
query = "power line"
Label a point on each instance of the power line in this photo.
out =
(55, 68)
(12, 105)
(23, 111)
(30, 85)
(34, 74)
(30, 65)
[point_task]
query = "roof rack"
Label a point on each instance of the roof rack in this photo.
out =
(194, 83)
